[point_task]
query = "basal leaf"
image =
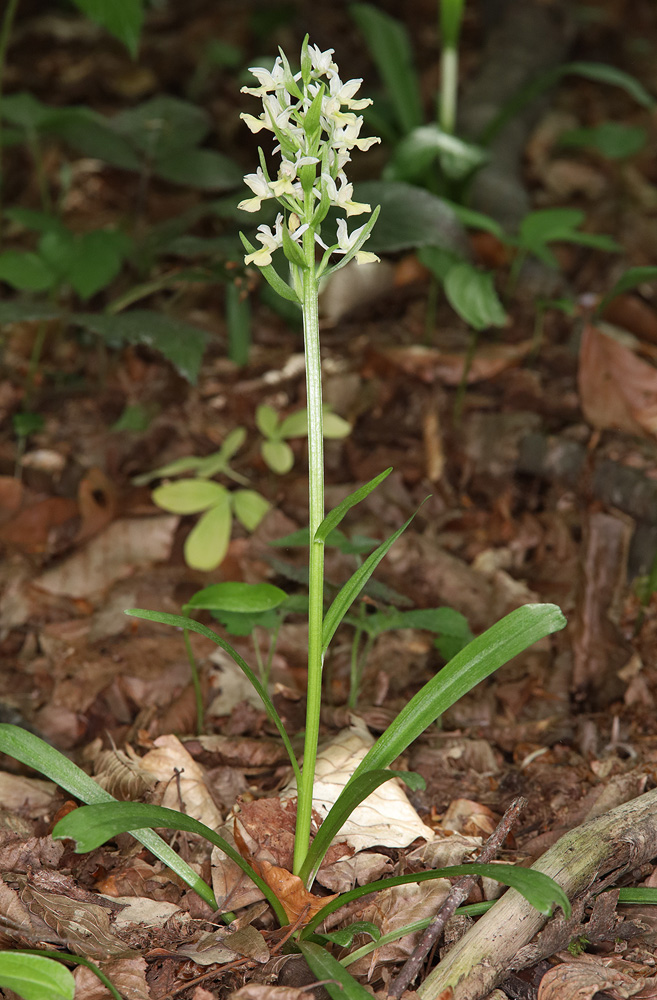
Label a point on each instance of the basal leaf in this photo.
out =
(34, 752)
(471, 293)
(92, 826)
(35, 977)
(339, 983)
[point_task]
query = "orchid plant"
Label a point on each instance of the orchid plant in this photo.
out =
(311, 115)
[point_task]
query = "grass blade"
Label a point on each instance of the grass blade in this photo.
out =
(336, 979)
(333, 519)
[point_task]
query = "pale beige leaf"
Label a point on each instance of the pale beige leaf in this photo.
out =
(30, 796)
(581, 980)
(347, 873)
(385, 819)
(113, 555)
(181, 781)
(261, 991)
(84, 927)
(617, 389)
(120, 772)
(128, 975)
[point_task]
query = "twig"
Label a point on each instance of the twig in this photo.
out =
(460, 891)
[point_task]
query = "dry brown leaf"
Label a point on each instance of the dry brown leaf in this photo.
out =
(29, 796)
(181, 781)
(111, 556)
(432, 365)
(469, 818)
(581, 980)
(128, 975)
(347, 873)
(617, 389)
(294, 897)
(261, 991)
(98, 501)
(120, 773)
(29, 530)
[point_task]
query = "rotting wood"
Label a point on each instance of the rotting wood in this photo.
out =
(615, 843)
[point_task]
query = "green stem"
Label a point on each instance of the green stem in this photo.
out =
(196, 681)
(316, 553)
(5, 31)
(449, 75)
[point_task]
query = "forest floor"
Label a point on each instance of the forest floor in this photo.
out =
(542, 486)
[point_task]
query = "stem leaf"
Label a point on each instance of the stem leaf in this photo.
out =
(333, 519)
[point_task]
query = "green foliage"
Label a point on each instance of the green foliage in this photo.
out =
(275, 450)
(122, 18)
(35, 977)
(614, 140)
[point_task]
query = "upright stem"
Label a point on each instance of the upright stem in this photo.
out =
(5, 31)
(316, 553)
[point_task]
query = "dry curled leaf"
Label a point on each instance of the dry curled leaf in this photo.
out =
(617, 389)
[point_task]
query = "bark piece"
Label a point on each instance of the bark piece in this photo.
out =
(614, 843)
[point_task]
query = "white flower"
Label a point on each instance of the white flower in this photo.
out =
(268, 81)
(261, 189)
(347, 135)
(322, 62)
(342, 196)
(347, 241)
(342, 93)
(287, 175)
(270, 241)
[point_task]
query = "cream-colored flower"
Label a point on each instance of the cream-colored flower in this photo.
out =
(342, 196)
(347, 241)
(261, 189)
(268, 80)
(270, 241)
(322, 62)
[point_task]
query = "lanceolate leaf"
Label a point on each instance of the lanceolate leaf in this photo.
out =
(180, 621)
(34, 752)
(271, 275)
(91, 826)
(538, 889)
(339, 983)
(35, 977)
(364, 785)
(332, 519)
(477, 660)
(354, 585)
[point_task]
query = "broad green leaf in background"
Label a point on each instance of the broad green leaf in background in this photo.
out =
(480, 658)
(410, 217)
(615, 140)
(26, 271)
(417, 151)
(200, 168)
(91, 826)
(163, 126)
(180, 621)
(554, 225)
(278, 455)
(122, 18)
(23, 310)
(246, 598)
(189, 496)
(29, 749)
(207, 543)
(35, 977)
(249, 507)
(180, 343)
(471, 293)
(390, 47)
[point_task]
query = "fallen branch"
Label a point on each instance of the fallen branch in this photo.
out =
(582, 859)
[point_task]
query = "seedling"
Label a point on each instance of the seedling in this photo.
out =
(275, 450)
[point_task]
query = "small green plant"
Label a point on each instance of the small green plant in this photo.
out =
(275, 450)
(310, 114)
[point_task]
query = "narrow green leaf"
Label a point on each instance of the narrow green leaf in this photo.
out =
(34, 752)
(91, 826)
(34, 977)
(480, 658)
(180, 621)
(538, 889)
(246, 598)
(175, 468)
(333, 519)
(604, 73)
(207, 543)
(339, 983)
(641, 896)
(345, 936)
(292, 250)
(366, 783)
(189, 496)
(390, 47)
(352, 588)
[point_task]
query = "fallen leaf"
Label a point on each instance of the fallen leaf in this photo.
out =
(294, 897)
(582, 980)
(127, 975)
(385, 818)
(617, 389)
(181, 781)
